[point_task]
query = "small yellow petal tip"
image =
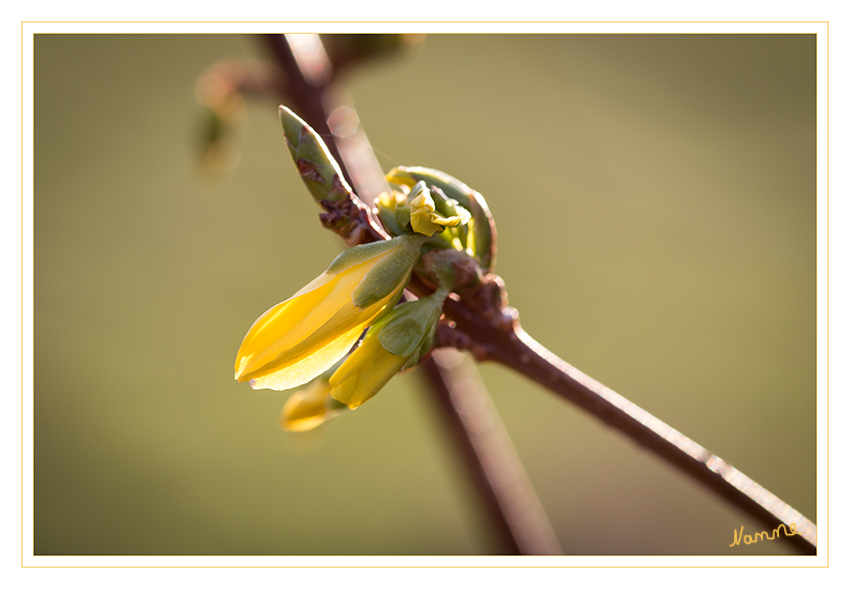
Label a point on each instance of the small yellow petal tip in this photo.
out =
(309, 408)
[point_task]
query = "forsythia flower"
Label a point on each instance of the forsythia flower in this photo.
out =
(395, 342)
(300, 338)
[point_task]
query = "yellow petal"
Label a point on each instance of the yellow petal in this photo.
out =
(306, 369)
(422, 202)
(425, 220)
(420, 222)
(445, 221)
(295, 321)
(306, 409)
(271, 324)
(321, 319)
(364, 373)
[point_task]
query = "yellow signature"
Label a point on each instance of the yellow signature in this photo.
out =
(748, 539)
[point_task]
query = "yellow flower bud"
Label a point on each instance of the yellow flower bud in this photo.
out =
(300, 338)
(395, 342)
(364, 373)
(309, 408)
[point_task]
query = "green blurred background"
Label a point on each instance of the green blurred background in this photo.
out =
(655, 199)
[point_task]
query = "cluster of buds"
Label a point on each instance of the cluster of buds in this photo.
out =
(437, 226)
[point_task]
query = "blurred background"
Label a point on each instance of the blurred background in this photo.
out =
(655, 200)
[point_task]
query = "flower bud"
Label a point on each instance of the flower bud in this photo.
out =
(395, 342)
(424, 217)
(298, 339)
(481, 240)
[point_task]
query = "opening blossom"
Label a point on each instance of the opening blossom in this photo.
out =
(424, 217)
(300, 338)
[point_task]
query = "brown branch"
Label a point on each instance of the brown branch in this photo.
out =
(505, 342)
(494, 467)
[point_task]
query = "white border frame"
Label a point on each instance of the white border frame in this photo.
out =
(29, 29)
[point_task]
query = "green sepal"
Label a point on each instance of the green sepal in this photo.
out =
(359, 254)
(449, 207)
(402, 214)
(387, 217)
(317, 167)
(386, 214)
(389, 273)
(404, 330)
(423, 349)
(383, 279)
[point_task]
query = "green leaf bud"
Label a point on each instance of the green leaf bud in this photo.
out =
(317, 167)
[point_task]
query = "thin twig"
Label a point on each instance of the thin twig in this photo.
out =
(514, 348)
(491, 461)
